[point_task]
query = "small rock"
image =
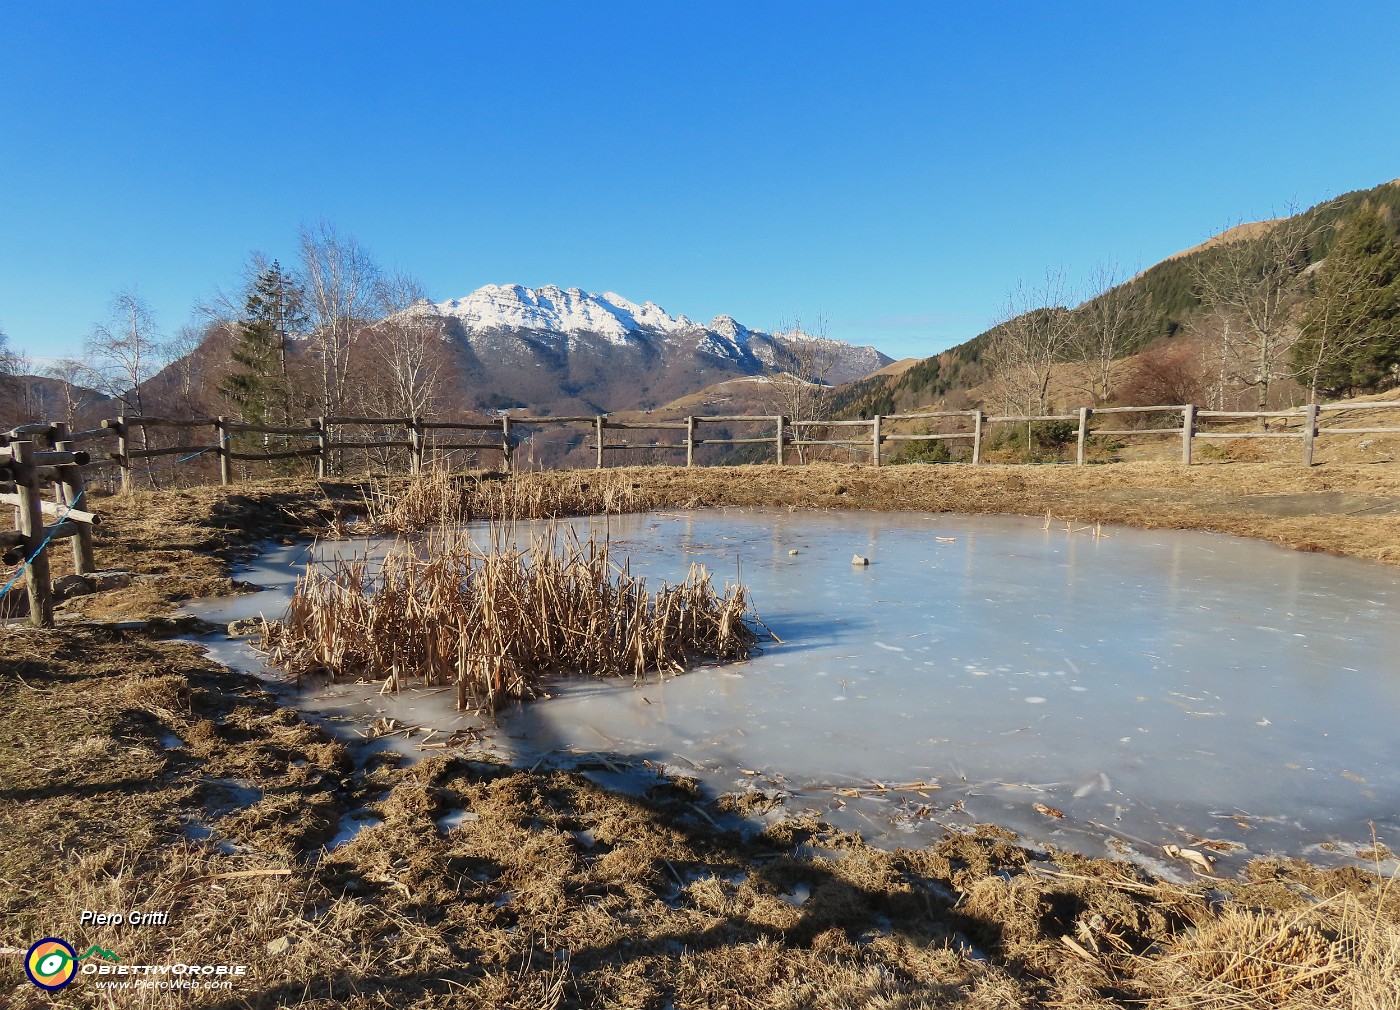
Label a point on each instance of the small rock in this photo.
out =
(245, 627)
(181, 624)
(279, 946)
(73, 585)
(856, 559)
(110, 579)
(793, 552)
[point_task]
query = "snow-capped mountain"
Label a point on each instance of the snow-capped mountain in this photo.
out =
(570, 350)
(551, 309)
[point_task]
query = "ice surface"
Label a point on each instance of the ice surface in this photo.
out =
(1150, 685)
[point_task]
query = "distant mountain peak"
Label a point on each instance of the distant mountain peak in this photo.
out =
(730, 328)
(558, 310)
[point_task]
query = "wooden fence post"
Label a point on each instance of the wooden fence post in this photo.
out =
(782, 423)
(507, 462)
(875, 439)
(323, 446)
(1084, 413)
(31, 525)
(1188, 431)
(1309, 433)
(225, 463)
(977, 416)
(598, 427)
(689, 441)
(65, 492)
(123, 447)
(415, 445)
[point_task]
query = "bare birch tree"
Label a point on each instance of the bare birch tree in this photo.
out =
(1252, 281)
(1328, 331)
(341, 282)
(407, 346)
(1218, 331)
(1350, 323)
(800, 390)
(75, 376)
(8, 359)
(17, 398)
(1111, 322)
(1035, 334)
(181, 351)
(124, 351)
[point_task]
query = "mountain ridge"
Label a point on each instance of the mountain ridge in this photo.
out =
(569, 350)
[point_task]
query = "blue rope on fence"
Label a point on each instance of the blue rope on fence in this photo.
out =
(29, 560)
(13, 580)
(201, 452)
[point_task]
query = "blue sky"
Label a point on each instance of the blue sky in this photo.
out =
(896, 167)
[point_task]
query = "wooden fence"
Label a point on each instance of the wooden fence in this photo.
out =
(326, 440)
(35, 457)
(26, 470)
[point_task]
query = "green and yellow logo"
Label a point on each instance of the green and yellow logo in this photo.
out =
(52, 963)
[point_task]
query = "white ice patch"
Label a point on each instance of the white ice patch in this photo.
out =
(352, 824)
(456, 818)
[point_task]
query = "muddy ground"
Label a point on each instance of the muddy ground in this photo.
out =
(136, 775)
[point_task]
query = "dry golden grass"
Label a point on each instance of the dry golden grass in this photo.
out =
(496, 620)
(1344, 952)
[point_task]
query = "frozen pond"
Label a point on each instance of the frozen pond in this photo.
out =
(1151, 686)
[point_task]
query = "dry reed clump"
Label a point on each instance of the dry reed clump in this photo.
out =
(438, 497)
(1343, 952)
(495, 621)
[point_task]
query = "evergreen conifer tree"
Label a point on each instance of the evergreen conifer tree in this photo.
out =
(261, 385)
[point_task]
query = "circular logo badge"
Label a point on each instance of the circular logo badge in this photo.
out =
(51, 964)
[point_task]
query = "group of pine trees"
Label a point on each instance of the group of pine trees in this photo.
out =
(1349, 334)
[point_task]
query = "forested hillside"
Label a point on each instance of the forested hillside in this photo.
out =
(1305, 305)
